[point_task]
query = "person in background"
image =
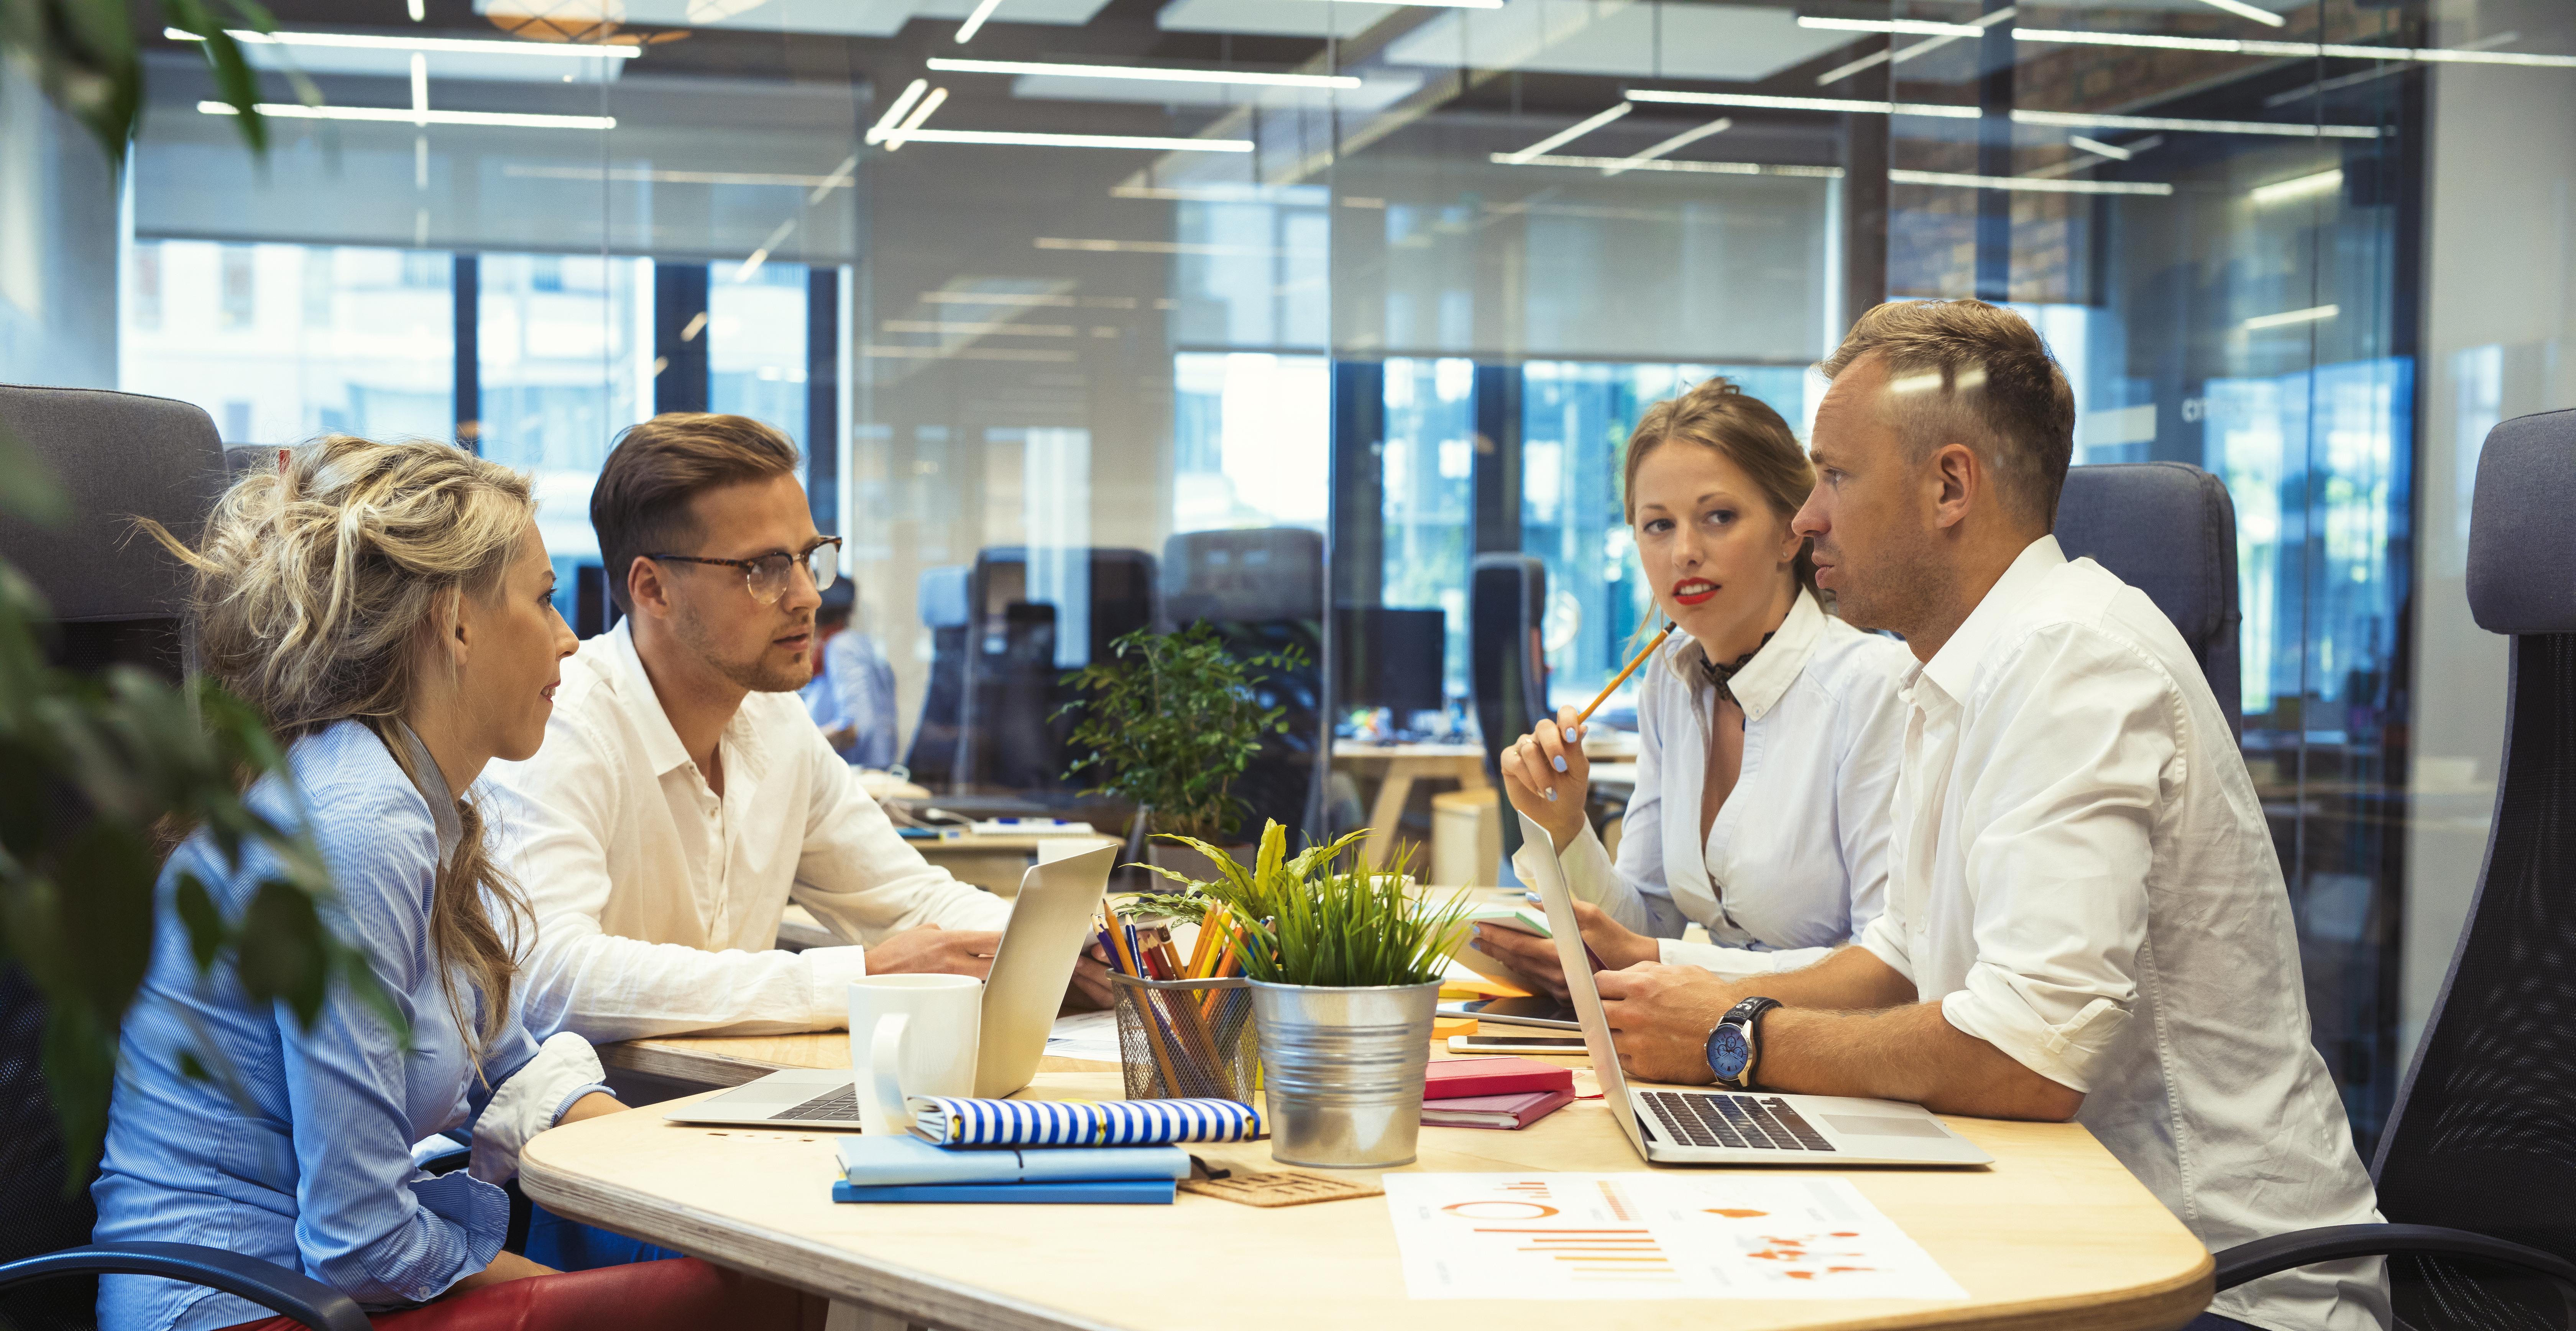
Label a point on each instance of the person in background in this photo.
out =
(851, 696)
(1768, 729)
(388, 610)
(684, 797)
(2085, 916)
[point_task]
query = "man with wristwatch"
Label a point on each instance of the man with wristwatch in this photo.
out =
(2085, 918)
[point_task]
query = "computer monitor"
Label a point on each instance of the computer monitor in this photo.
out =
(1385, 657)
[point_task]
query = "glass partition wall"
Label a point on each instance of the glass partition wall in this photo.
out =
(1305, 319)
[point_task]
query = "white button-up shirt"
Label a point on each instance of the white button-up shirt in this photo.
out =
(2081, 875)
(1796, 862)
(658, 902)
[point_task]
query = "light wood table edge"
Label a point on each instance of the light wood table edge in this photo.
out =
(699, 1067)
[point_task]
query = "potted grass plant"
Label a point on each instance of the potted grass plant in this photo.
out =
(1170, 722)
(1345, 966)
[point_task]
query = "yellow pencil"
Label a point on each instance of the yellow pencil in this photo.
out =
(1613, 685)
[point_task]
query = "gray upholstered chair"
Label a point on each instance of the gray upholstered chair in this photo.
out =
(2169, 530)
(116, 597)
(2476, 1166)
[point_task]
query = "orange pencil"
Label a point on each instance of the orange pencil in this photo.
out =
(1613, 686)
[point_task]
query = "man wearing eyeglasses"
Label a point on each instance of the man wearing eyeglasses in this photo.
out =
(682, 798)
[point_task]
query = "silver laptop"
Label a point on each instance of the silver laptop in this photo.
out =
(1050, 921)
(1706, 1127)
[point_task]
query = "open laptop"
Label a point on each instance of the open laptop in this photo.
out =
(1050, 920)
(1720, 1127)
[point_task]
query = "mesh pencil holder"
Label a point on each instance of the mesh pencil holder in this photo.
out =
(1186, 1039)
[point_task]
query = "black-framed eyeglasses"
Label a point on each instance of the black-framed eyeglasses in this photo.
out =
(767, 575)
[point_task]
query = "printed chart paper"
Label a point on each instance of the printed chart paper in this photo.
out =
(1652, 1236)
(1091, 1035)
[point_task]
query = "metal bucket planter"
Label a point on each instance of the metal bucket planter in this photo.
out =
(1343, 1071)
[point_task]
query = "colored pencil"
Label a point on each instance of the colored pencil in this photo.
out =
(1613, 685)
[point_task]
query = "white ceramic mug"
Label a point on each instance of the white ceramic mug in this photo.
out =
(912, 1035)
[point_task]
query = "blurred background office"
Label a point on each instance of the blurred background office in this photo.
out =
(1323, 322)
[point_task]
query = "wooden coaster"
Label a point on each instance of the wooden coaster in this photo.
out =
(1285, 1187)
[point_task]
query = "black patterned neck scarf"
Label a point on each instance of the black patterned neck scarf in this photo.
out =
(1722, 676)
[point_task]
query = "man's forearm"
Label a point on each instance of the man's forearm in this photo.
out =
(1850, 979)
(1908, 1053)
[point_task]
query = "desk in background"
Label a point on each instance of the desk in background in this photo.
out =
(2054, 1234)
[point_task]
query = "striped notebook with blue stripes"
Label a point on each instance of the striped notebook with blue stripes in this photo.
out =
(951, 1121)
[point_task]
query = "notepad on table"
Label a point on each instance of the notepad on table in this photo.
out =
(1452, 1078)
(908, 1169)
(1493, 1111)
(952, 1121)
(1109, 1192)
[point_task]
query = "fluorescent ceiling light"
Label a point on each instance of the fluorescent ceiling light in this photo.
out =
(2243, 10)
(1804, 103)
(1672, 145)
(2086, 119)
(2100, 149)
(1916, 26)
(993, 298)
(1603, 164)
(1446, 4)
(894, 114)
(407, 116)
(944, 326)
(975, 22)
(1088, 246)
(431, 45)
(2295, 50)
(944, 65)
(2283, 191)
(1949, 32)
(1071, 140)
(2288, 317)
(2029, 185)
(1574, 131)
(895, 138)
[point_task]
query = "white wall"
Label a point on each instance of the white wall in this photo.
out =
(58, 234)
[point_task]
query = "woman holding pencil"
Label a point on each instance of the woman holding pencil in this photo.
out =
(1769, 730)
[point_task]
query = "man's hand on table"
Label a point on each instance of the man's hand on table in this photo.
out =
(1090, 988)
(1662, 1016)
(931, 950)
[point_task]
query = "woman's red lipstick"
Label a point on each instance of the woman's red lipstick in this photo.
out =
(1692, 591)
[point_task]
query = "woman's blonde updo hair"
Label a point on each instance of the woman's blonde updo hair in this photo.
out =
(1745, 431)
(318, 582)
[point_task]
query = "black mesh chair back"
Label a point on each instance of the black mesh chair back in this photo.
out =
(2483, 1134)
(932, 755)
(116, 597)
(2169, 530)
(1262, 590)
(35, 1214)
(1507, 663)
(1022, 603)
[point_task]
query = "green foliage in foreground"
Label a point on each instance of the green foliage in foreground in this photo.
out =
(90, 771)
(87, 55)
(1318, 919)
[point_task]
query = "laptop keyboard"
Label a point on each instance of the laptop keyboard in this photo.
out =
(1709, 1118)
(841, 1104)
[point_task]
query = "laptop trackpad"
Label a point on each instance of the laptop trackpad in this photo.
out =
(1867, 1125)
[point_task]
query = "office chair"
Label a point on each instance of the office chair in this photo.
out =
(932, 758)
(1508, 664)
(116, 601)
(1010, 737)
(2476, 1166)
(1262, 590)
(2169, 530)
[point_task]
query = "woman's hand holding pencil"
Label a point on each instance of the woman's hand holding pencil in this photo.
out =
(1546, 775)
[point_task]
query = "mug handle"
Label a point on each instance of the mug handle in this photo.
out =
(885, 1056)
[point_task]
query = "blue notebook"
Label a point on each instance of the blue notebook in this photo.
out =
(1115, 1192)
(906, 1161)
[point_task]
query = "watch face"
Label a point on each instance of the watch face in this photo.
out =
(1728, 1052)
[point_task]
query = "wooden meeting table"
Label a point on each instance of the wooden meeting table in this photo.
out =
(2053, 1234)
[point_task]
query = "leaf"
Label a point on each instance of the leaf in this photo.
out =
(80, 1071)
(28, 490)
(205, 923)
(282, 951)
(105, 905)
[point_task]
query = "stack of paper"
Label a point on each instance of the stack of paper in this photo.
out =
(1493, 1092)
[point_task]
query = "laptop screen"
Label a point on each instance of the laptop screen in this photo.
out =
(1553, 894)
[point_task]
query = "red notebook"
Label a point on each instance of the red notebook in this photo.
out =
(1494, 1111)
(1453, 1078)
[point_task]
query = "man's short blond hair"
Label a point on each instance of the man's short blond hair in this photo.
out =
(1968, 372)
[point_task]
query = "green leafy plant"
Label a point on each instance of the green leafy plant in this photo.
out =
(1171, 722)
(1315, 919)
(92, 770)
(88, 57)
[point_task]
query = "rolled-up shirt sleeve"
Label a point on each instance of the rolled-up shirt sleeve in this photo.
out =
(516, 1103)
(858, 875)
(367, 1221)
(2057, 869)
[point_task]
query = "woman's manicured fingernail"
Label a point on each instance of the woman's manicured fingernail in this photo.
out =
(1550, 793)
(1560, 762)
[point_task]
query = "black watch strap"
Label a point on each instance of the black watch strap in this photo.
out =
(1747, 1017)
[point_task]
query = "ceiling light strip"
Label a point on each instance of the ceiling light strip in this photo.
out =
(1574, 131)
(2282, 191)
(2294, 50)
(1765, 101)
(2287, 317)
(1915, 26)
(975, 22)
(2100, 149)
(1071, 140)
(1670, 146)
(1668, 164)
(1949, 32)
(895, 138)
(430, 45)
(2243, 10)
(2089, 120)
(1150, 74)
(407, 116)
(2028, 185)
(894, 114)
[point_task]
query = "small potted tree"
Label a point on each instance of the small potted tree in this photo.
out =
(1345, 966)
(1170, 723)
